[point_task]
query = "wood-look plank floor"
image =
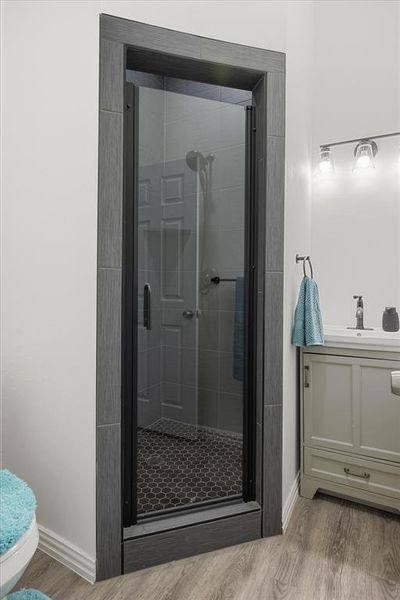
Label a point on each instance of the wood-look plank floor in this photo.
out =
(332, 550)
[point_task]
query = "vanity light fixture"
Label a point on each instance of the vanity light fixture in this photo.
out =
(364, 152)
(325, 162)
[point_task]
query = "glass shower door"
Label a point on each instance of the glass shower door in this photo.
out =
(190, 273)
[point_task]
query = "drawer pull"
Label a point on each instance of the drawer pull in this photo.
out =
(364, 475)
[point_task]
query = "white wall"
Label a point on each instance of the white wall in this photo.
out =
(355, 218)
(297, 212)
(49, 241)
(49, 200)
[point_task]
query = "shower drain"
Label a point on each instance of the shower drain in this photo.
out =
(155, 461)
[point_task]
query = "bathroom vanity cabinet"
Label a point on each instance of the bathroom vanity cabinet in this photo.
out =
(350, 425)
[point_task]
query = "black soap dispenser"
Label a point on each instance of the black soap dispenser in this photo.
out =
(390, 319)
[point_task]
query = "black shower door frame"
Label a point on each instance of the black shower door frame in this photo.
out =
(129, 335)
(126, 44)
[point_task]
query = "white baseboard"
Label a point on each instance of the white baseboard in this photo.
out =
(290, 502)
(66, 553)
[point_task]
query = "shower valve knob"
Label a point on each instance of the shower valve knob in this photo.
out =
(188, 314)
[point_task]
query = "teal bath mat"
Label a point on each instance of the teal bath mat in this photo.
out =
(28, 595)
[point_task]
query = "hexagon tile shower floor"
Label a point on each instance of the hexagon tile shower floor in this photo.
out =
(181, 464)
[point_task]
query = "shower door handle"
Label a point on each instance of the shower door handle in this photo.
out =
(147, 306)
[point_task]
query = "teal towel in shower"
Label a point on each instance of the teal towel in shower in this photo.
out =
(307, 328)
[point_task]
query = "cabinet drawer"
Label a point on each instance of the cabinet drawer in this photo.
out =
(377, 478)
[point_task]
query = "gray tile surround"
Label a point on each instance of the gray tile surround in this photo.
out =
(108, 346)
(108, 484)
(109, 261)
(272, 486)
(245, 56)
(248, 64)
(275, 98)
(148, 36)
(275, 215)
(273, 350)
(111, 94)
(260, 96)
(110, 190)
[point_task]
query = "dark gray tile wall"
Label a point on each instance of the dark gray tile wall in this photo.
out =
(145, 79)
(108, 439)
(189, 88)
(273, 375)
(110, 189)
(272, 468)
(108, 489)
(149, 36)
(260, 96)
(109, 346)
(275, 104)
(275, 202)
(271, 178)
(111, 71)
(247, 57)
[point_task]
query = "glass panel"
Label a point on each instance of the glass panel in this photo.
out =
(190, 288)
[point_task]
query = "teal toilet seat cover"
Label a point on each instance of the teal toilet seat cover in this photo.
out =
(17, 508)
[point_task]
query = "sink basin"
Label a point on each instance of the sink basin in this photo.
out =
(340, 337)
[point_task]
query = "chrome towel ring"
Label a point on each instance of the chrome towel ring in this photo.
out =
(305, 259)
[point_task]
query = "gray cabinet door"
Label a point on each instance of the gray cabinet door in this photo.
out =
(330, 384)
(377, 410)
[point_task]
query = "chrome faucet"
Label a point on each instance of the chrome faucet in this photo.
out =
(360, 314)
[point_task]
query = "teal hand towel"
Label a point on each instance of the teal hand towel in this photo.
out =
(307, 327)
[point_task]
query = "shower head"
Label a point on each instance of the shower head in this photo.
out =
(196, 161)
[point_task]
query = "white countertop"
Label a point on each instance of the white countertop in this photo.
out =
(338, 336)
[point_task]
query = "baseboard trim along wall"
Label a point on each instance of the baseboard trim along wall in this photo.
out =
(66, 553)
(290, 503)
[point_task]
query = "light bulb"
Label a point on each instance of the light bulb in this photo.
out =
(363, 162)
(364, 154)
(325, 163)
